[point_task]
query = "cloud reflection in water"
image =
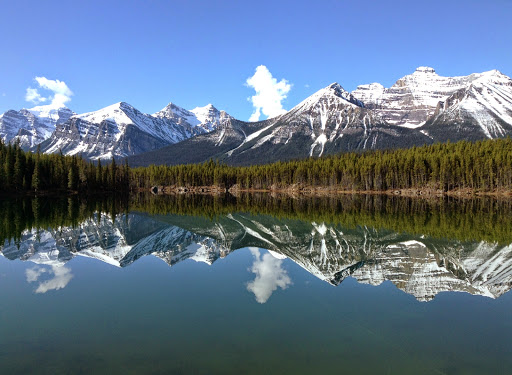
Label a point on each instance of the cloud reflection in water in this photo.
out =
(269, 276)
(61, 277)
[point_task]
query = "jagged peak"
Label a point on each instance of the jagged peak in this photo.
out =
(494, 75)
(207, 108)
(118, 105)
(172, 105)
(124, 105)
(425, 69)
(110, 112)
(337, 89)
(371, 86)
(172, 110)
(334, 90)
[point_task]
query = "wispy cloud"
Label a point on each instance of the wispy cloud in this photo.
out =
(269, 276)
(61, 277)
(269, 93)
(60, 92)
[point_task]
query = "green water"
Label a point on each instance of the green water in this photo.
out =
(160, 288)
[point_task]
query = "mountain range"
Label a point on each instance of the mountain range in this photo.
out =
(420, 108)
(417, 264)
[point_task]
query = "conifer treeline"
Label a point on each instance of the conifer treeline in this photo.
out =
(22, 172)
(484, 165)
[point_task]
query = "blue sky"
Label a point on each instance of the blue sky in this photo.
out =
(192, 53)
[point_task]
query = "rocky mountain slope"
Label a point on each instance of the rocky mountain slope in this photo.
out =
(420, 108)
(482, 109)
(420, 266)
(32, 126)
(120, 130)
(329, 121)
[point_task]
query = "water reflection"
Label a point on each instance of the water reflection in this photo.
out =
(269, 275)
(422, 264)
(60, 276)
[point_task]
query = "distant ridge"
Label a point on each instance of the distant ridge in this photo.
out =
(420, 108)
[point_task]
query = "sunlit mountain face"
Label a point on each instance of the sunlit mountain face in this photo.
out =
(371, 239)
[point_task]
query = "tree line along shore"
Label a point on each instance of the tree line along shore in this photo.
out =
(483, 166)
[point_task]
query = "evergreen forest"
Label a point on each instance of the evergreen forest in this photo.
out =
(483, 166)
(22, 172)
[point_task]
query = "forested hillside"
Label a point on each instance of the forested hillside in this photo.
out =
(484, 166)
(481, 166)
(26, 172)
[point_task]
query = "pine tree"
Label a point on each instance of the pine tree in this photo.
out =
(36, 177)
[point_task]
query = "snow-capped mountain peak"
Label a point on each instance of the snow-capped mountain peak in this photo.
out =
(205, 119)
(51, 112)
(173, 111)
(424, 70)
(32, 126)
(115, 131)
(119, 130)
(482, 108)
(413, 99)
(494, 77)
(332, 93)
(118, 112)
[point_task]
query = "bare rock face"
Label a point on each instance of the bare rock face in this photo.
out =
(413, 99)
(481, 110)
(329, 121)
(205, 119)
(32, 126)
(420, 108)
(120, 130)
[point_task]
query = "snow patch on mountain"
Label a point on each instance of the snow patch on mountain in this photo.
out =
(32, 126)
(204, 119)
(414, 98)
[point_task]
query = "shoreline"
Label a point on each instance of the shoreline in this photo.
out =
(325, 191)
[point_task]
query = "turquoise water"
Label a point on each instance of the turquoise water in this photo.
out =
(143, 295)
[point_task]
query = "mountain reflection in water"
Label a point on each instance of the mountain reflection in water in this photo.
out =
(358, 238)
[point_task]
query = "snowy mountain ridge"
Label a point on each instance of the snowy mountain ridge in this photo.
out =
(414, 97)
(420, 108)
(120, 130)
(32, 126)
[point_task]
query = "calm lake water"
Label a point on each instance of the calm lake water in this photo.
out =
(256, 284)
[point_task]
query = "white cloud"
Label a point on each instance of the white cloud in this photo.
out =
(33, 96)
(269, 93)
(33, 274)
(269, 276)
(3, 94)
(61, 277)
(61, 94)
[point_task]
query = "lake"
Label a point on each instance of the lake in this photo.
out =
(193, 284)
